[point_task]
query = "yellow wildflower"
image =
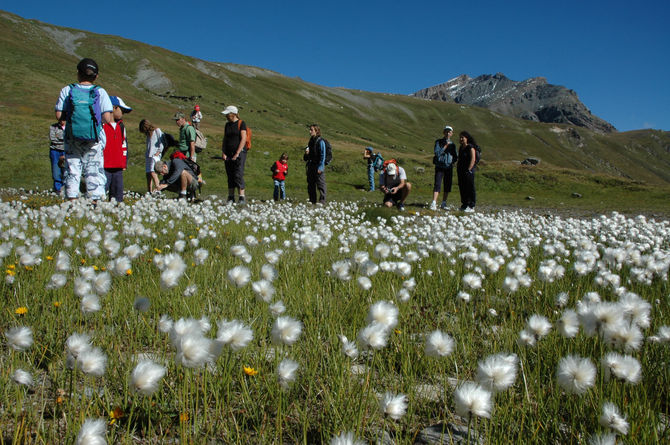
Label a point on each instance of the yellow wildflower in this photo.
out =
(129, 272)
(83, 261)
(183, 417)
(398, 331)
(11, 267)
(21, 310)
(157, 250)
(96, 268)
(28, 267)
(10, 272)
(56, 303)
(50, 258)
(115, 414)
(250, 371)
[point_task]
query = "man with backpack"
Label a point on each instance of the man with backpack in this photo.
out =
(316, 158)
(84, 107)
(393, 183)
(186, 135)
(178, 177)
(444, 159)
(375, 164)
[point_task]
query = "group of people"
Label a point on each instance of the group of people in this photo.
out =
(393, 178)
(89, 151)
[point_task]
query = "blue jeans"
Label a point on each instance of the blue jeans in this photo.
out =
(280, 190)
(57, 173)
(371, 177)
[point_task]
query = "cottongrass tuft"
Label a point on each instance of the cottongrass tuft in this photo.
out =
(473, 399)
(346, 438)
(239, 276)
(439, 344)
(287, 372)
(622, 367)
(349, 347)
(234, 334)
(364, 283)
(568, 324)
(146, 376)
(497, 372)
(22, 377)
(576, 374)
(374, 336)
(92, 432)
(603, 439)
(286, 330)
(92, 362)
(264, 290)
(385, 313)
(77, 344)
(612, 418)
(393, 405)
(19, 338)
(90, 303)
(538, 325)
(165, 324)
(277, 308)
(193, 350)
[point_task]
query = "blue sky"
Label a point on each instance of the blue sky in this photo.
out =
(614, 54)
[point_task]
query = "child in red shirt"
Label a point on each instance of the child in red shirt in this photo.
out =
(279, 172)
(116, 149)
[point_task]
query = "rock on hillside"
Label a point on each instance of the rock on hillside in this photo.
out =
(532, 99)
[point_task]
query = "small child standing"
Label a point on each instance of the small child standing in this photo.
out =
(116, 149)
(279, 172)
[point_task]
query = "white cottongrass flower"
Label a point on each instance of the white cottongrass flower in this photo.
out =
(603, 439)
(342, 269)
(204, 324)
(622, 367)
(239, 276)
(472, 399)
(439, 344)
(193, 350)
(180, 245)
(497, 372)
(57, 281)
(62, 262)
(526, 338)
(142, 304)
(286, 330)
(472, 281)
(561, 299)
(121, 265)
(22, 377)
(346, 438)
(349, 347)
(568, 324)
(369, 268)
(374, 336)
(403, 295)
(576, 374)
(238, 250)
(382, 250)
(364, 283)
(92, 432)
(184, 326)
(287, 372)
(268, 272)
(235, 334)
(272, 257)
(132, 251)
(19, 338)
(264, 290)
(384, 313)
(165, 324)
(92, 362)
(463, 296)
(410, 284)
(201, 256)
(612, 418)
(82, 287)
(624, 335)
(403, 269)
(102, 283)
(190, 290)
(146, 376)
(90, 303)
(174, 269)
(277, 308)
(77, 344)
(538, 325)
(393, 405)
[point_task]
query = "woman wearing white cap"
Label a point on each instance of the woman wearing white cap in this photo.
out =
(234, 152)
(444, 160)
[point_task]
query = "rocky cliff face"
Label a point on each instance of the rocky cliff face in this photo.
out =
(532, 99)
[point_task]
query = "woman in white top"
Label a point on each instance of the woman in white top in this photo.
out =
(155, 147)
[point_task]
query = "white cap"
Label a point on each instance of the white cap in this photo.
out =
(230, 109)
(391, 170)
(448, 128)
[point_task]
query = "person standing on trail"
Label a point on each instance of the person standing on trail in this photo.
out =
(186, 136)
(196, 117)
(234, 152)
(84, 107)
(315, 156)
(444, 160)
(57, 155)
(467, 159)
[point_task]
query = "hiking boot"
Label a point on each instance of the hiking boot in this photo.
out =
(443, 206)
(433, 205)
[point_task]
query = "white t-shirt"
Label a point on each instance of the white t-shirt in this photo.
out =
(401, 173)
(155, 145)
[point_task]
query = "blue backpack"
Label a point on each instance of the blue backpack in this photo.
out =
(378, 162)
(82, 108)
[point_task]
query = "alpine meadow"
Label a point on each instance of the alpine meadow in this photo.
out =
(541, 318)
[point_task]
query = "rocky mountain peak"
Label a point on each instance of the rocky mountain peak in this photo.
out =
(532, 99)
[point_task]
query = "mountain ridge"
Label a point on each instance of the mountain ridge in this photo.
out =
(532, 99)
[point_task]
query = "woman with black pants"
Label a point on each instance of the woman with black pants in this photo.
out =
(467, 157)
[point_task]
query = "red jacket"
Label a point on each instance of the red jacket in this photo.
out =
(116, 146)
(279, 171)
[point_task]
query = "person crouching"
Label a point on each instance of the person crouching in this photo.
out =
(177, 177)
(393, 183)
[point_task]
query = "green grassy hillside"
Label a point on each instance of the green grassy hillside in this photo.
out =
(39, 59)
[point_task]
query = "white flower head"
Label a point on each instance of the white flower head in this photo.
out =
(383, 312)
(374, 336)
(268, 272)
(472, 399)
(364, 283)
(235, 334)
(92, 432)
(264, 290)
(19, 338)
(92, 362)
(612, 418)
(568, 324)
(286, 330)
(346, 438)
(239, 276)
(576, 374)
(277, 308)
(146, 377)
(78, 343)
(287, 372)
(538, 325)
(90, 303)
(497, 372)
(393, 405)
(349, 347)
(439, 344)
(22, 377)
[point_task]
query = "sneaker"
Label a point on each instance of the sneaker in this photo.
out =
(231, 200)
(433, 205)
(401, 207)
(443, 206)
(241, 200)
(470, 210)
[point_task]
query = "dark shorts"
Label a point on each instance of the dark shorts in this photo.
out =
(443, 176)
(392, 197)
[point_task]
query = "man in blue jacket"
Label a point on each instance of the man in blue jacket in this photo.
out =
(315, 155)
